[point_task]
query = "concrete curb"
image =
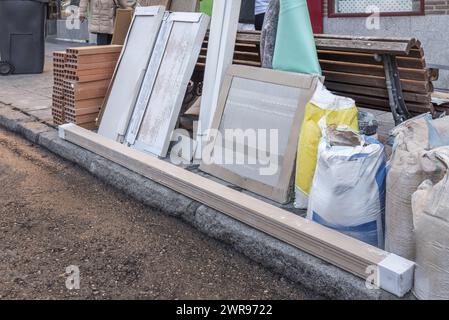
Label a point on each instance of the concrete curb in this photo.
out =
(313, 273)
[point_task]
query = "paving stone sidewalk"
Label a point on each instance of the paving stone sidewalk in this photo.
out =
(32, 93)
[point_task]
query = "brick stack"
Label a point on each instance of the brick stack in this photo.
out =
(57, 109)
(87, 74)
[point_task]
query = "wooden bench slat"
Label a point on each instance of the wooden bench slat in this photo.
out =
(383, 104)
(376, 92)
(375, 81)
(368, 58)
(374, 70)
(395, 48)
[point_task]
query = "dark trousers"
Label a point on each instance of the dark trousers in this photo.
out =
(259, 21)
(104, 39)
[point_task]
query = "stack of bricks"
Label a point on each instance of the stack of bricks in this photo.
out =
(87, 75)
(57, 109)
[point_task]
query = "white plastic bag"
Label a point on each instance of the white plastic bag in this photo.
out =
(348, 190)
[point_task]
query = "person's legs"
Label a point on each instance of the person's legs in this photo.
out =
(104, 39)
(259, 21)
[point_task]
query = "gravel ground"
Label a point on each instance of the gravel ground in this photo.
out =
(54, 215)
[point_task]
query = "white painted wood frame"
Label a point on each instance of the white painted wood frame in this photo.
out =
(220, 53)
(165, 83)
(129, 72)
(259, 101)
(394, 274)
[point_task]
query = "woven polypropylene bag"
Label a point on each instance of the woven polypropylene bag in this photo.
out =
(431, 228)
(407, 170)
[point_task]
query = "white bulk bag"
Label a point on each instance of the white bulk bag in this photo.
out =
(348, 190)
(407, 169)
(431, 222)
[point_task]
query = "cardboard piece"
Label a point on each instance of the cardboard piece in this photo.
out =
(122, 22)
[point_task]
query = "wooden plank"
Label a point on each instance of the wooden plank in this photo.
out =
(393, 45)
(417, 111)
(376, 92)
(369, 58)
(412, 42)
(129, 72)
(331, 246)
(373, 70)
(378, 82)
(260, 100)
(165, 83)
(357, 45)
(383, 104)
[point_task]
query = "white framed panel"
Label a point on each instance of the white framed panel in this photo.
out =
(259, 101)
(165, 82)
(129, 72)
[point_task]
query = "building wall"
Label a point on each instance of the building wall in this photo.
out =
(431, 29)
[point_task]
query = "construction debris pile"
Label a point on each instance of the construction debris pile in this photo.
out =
(289, 132)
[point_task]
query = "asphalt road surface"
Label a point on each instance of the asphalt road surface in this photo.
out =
(54, 215)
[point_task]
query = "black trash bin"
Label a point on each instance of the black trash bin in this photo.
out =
(22, 36)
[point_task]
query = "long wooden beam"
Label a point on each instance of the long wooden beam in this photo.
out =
(347, 253)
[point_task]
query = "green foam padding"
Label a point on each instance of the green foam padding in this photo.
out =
(295, 48)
